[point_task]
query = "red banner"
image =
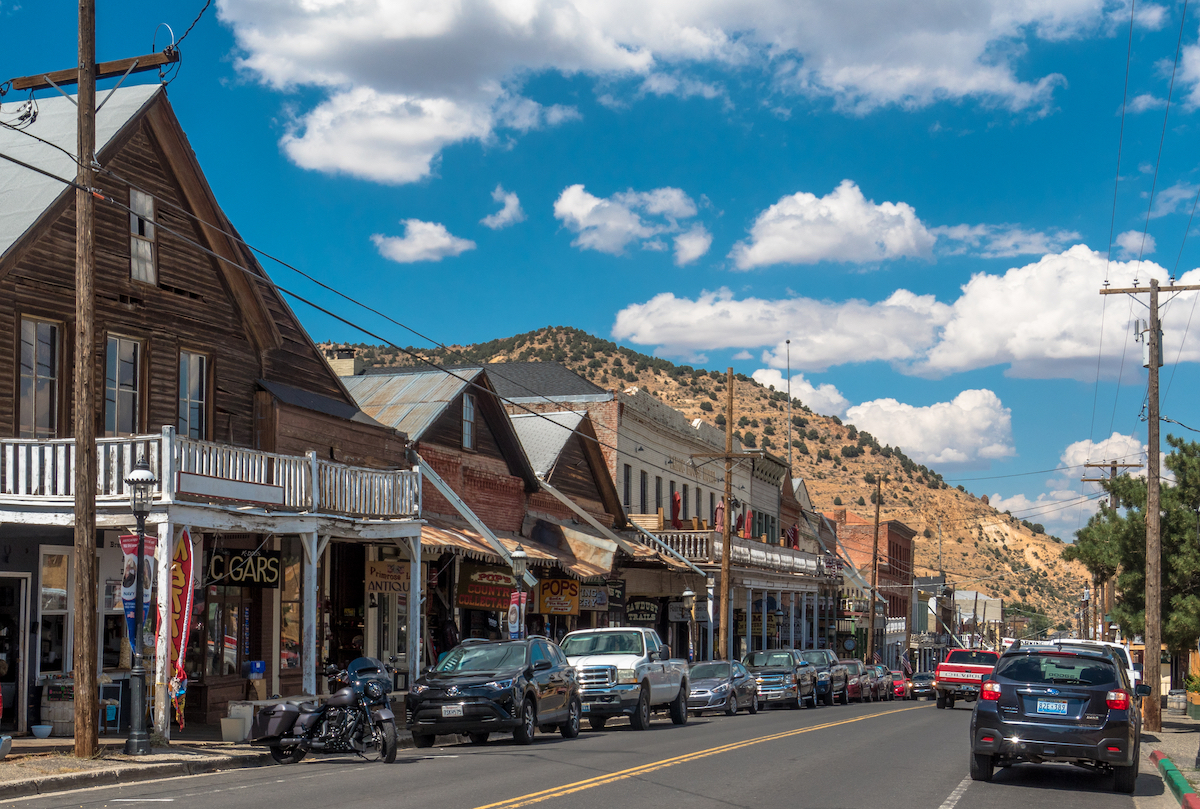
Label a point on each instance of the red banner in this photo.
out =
(182, 589)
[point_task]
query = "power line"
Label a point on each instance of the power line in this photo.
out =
(1035, 472)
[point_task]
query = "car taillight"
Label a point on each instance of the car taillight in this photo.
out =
(1117, 701)
(990, 692)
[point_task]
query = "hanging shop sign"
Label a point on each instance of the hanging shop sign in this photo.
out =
(593, 598)
(642, 611)
(756, 624)
(516, 614)
(389, 578)
(485, 588)
(676, 613)
(250, 568)
(616, 594)
(558, 597)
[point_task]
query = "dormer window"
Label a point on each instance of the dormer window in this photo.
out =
(141, 238)
(468, 421)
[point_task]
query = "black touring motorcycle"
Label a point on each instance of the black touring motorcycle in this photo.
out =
(356, 718)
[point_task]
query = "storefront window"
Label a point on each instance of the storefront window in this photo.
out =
(290, 619)
(223, 624)
(55, 605)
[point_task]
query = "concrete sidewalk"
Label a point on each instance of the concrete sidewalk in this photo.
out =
(1179, 741)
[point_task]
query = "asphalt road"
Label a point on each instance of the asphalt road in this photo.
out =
(895, 755)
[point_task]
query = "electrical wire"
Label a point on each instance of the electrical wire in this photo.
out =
(1035, 472)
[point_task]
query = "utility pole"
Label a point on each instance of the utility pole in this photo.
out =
(941, 568)
(729, 456)
(87, 696)
(874, 573)
(789, 411)
(84, 650)
(1151, 666)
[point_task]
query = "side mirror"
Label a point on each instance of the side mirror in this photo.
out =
(664, 652)
(543, 665)
(1142, 690)
(330, 669)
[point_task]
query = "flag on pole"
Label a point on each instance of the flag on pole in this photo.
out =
(904, 662)
(876, 658)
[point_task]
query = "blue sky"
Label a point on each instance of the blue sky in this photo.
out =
(920, 199)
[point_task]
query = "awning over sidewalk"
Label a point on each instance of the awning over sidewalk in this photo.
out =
(544, 550)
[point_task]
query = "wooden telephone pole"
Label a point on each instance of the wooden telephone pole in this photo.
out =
(874, 574)
(729, 456)
(84, 649)
(1152, 665)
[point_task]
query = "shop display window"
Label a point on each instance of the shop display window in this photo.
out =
(290, 617)
(54, 602)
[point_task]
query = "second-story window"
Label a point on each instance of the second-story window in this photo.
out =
(645, 485)
(193, 395)
(658, 503)
(38, 405)
(685, 502)
(122, 386)
(628, 490)
(141, 238)
(468, 421)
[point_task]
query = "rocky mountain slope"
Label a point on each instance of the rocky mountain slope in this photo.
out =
(978, 547)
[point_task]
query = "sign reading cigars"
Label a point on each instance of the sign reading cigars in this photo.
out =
(235, 568)
(485, 588)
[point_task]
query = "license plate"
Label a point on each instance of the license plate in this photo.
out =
(452, 710)
(1052, 706)
(587, 707)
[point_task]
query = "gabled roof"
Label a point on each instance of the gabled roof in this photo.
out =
(297, 397)
(534, 380)
(544, 436)
(25, 195)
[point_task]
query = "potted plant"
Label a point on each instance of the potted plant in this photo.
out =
(1192, 684)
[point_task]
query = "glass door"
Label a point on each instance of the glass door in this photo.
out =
(14, 607)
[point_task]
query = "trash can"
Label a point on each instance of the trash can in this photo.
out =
(1177, 702)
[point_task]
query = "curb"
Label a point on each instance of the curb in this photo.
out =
(1176, 783)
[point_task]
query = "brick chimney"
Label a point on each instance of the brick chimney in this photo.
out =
(345, 361)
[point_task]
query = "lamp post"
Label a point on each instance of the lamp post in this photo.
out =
(689, 608)
(520, 564)
(141, 483)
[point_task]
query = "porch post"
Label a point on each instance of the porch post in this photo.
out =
(162, 648)
(792, 621)
(415, 609)
(803, 596)
(814, 622)
(712, 618)
(308, 646)
(749, 615)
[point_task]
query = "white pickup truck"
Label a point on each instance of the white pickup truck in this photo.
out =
(626, 671)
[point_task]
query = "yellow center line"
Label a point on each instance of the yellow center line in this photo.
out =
(601, 780)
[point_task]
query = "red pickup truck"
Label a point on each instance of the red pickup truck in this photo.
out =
(961, 674)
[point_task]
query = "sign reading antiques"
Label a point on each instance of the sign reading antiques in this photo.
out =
(234, 568)
(389, 578)
(485, 588)
(642, 611)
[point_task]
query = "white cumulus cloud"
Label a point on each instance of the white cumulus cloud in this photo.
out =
(509, 214)
(422, 241)
(399, 80)
(1133, 244)
(1145, 101)
(840, 226)
(610, 224)
(823, 398)
(1002, 241)
(974, 426)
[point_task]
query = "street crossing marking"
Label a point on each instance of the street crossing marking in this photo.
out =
(956, 795)
(602, 780)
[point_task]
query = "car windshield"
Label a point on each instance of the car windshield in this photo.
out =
(760, 660)
(923, 677)
(703, 671)
(972, 657)
(488, 657)
(816, 658)
(1058, 669)
(603, 643)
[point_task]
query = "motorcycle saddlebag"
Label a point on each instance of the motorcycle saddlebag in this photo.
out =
(275, 720)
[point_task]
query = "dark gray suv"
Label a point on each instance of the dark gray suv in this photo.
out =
(1057, 703)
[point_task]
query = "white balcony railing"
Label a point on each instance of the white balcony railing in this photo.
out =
(705, 547)
(43, 471)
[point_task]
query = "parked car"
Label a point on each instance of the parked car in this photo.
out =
(883, 683)
(482, 686)
(960, 674)
(922, 685)
(831, 675)
(869, 680)
(721, 686)
(1045, 704)
(858, 683)
(783, 678)
(900, 685)
(627, 671)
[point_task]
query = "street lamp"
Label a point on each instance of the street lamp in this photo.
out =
(689, 608)
(141, 483)
(520, 564)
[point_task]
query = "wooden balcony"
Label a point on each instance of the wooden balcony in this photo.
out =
(705, 547)
(42, 473)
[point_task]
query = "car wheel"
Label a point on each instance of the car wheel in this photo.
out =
(812, 698)
(1126, 777)
(981, 767)
(754, 703)
(950, 702)
(387, 741)
(731, 706)
(641, 715)
(523, 733)
(941, 700)
(287, 755)
(679, 713)
(570, 728)
(597, 722)
(829, 697)
(479, 738)
(423, 740)
(845, 698)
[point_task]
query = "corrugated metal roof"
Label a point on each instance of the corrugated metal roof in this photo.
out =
(289, 394)
(25, 194)
(543, 435)
(409, 402)
(522, 380)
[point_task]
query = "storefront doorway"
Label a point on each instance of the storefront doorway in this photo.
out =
(14, 611)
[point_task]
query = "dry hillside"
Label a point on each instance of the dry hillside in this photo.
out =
(980, 547)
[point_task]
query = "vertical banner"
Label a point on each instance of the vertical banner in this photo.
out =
(129, 547)
(516, 615)
(179, 621)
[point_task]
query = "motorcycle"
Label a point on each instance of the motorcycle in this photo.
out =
(356, 718)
